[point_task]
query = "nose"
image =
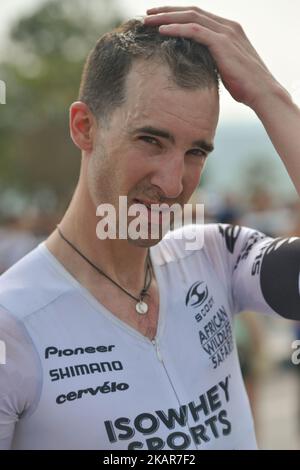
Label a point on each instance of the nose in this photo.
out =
(169, 175)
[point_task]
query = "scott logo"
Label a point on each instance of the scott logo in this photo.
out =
(197, 294)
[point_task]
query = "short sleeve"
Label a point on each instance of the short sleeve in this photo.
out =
(19, 375)
(262, 273)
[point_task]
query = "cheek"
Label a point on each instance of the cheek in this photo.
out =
(101, 179)
(135, 167)
(193, 177)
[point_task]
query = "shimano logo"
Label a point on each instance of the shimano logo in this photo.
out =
(197, 294)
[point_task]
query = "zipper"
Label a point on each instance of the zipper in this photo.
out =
(160, 358)
(158, 353)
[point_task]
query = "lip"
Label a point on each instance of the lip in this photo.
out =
(149, 205)
(145, 202)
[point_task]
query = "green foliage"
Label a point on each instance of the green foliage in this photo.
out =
(42, 72)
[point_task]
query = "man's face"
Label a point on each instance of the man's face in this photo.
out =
(154, 147)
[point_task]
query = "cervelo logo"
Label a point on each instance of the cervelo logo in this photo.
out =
(2, 352)
(197, 294)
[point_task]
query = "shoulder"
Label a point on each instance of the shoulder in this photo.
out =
(20, 373)
(200, 240)
(31, 284)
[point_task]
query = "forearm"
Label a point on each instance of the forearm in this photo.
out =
(281, 119)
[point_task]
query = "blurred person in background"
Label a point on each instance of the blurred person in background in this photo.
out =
(229, 212)
(266, 216)
(16, 240)
(127, 343)
(250, 333)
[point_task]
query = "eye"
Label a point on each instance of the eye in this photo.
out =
(149, 140)
(197, 152)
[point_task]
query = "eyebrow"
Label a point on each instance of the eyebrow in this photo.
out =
(208, 147)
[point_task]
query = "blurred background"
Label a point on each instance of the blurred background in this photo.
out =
(43, 44)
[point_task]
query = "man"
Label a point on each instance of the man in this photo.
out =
(109, 347)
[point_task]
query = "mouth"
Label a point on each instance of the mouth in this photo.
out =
(145, 203)
(156, 211)
(153, 206)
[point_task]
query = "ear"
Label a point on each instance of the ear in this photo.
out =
(83, 125)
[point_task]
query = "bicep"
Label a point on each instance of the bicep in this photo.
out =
(266, 278)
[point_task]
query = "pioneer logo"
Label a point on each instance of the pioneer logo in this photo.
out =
(197, 294)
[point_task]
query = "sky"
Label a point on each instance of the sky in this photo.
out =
(273, 26)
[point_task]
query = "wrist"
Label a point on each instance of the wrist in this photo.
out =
(275, 95)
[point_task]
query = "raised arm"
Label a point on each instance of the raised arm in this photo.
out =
(243, 73)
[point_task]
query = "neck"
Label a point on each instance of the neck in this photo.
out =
(119, 259)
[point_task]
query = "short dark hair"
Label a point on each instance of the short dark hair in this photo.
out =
(103, 79)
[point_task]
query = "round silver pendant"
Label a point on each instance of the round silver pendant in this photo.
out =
(141, 307)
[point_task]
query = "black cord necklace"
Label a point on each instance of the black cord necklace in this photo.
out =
(141, 306)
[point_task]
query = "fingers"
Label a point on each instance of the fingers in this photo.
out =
(191, 31)
(170, 9)
(186, 16)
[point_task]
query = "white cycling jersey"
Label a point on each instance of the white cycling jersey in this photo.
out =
(77, 377)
